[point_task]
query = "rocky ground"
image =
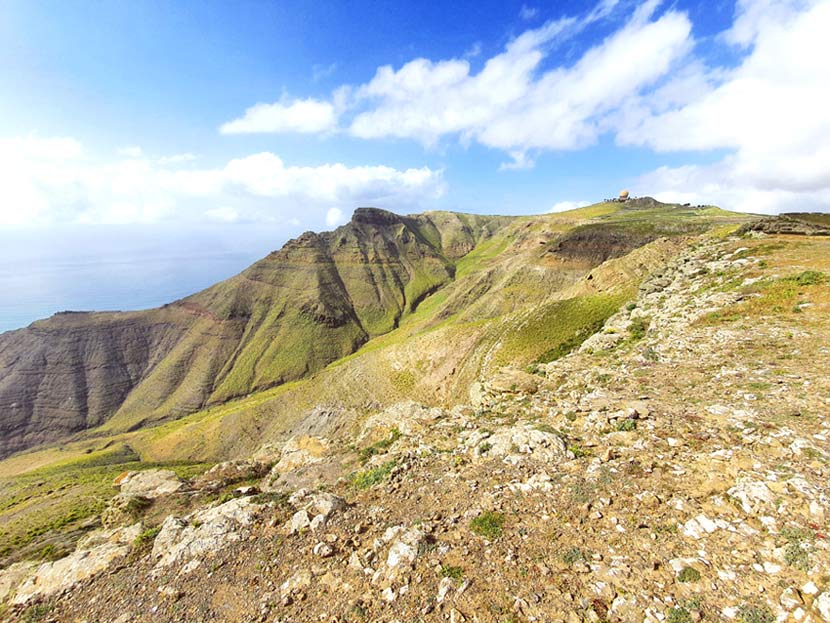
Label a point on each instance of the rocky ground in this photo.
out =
(674, 468)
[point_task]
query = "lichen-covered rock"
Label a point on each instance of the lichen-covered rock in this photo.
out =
(94, 553)
(150, 483)
(409, 418)
(124, 509)
(203, 532)
(315, 508)
(14, 575)
(517, 443)
(230, 472)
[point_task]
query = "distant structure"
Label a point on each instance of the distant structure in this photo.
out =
(623, 196)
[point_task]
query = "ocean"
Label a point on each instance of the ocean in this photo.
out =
(103, 268)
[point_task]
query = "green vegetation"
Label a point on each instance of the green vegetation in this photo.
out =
(627, 425)
(775, 296)
(488, 524)
(688, 574)
(638, 328)
(381, 446)
(37, 612)
(573, 555)
(454, 573)
(755, 614)
(62, 498)
(370, 477)
(798, 546)
(557, 329)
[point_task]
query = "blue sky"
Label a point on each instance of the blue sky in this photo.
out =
(291, 114)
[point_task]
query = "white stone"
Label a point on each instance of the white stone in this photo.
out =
(150, 483)
(203, 532)
(94, 554)
(809, 588)
(821, 604)
(444, 587)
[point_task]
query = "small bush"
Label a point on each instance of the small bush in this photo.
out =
(367, 478)
(381, 446)
(679, 614)
(688, 574)
(146, 537)
(808, 278)
(755, 614)
(454, 573)
(573, 555)
(627, 425)
(485, 447)
(638, 328)
(798, 547)
(578, 451)
(138, 505)
(35, 613)
(488, 524)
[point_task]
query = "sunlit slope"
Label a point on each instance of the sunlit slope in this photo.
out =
(312, 302)
(529, 292)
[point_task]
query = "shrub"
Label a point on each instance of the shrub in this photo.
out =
(679, 614)
(573, 555)
(688, 574)
(369, 477)
(798, 547)
(488, 524)
(638, 328)
(627, 425)
(381, 446)
(146, 537)
(454, 573)
(755, 614)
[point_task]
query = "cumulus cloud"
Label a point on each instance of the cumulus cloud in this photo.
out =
(305, 116)
(335, 217)
(769, 113)
(513, 106)
(47, 180)
(644, 85)
(562, 206)
(528, 12)
(131, 151)
(177, 158)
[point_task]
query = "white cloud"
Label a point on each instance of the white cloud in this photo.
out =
(306, 116)
(177, 159)
(770, 112)
(131, 151)
(510, 104)
(527, 13)
(562, 206)
(47, 180)
(321, 72)
(335, 217)
(222, 215)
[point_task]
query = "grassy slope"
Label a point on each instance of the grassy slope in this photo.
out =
(511, 301)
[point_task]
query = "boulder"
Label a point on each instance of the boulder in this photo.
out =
(203, 532)
(150, 483)
(94, 553)
(518, 443)
(230, 472)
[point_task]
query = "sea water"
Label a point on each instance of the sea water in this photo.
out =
(102, 268)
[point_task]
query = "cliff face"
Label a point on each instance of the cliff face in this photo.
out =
(315, 300)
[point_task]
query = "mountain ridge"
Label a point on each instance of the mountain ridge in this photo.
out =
(319, 298)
